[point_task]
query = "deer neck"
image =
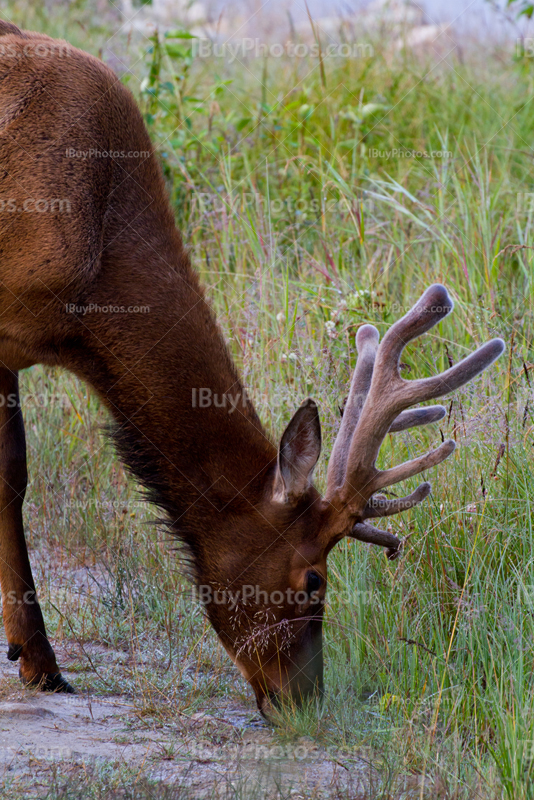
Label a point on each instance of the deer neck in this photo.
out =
(183, 422)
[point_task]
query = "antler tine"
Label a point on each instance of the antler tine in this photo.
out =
(366, 533)
(410, 468)
(426, 389)
(417, 416)
(439, 385)
(388, 395)
(380, 506)
(433, 306)
(367, 346)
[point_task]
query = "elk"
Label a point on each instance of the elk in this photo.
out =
(246, 511)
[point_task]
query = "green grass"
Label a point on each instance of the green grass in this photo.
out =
(301, 234)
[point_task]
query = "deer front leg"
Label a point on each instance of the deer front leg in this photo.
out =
(23, 620)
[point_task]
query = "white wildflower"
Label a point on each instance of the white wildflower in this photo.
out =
(331, 328)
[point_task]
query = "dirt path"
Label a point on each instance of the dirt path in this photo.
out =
(205, 756)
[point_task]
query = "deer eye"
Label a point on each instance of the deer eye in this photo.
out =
(313, 582)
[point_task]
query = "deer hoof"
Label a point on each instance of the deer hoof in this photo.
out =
(14, 652)
(49, 682)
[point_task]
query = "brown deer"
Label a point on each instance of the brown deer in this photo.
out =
(257, 531)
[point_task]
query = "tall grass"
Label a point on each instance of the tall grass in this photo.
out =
(302, 230)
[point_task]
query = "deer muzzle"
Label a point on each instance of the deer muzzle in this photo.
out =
(300, 678)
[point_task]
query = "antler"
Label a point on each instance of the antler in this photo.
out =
(376, 404)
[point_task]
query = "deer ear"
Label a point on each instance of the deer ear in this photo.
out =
(300, 448)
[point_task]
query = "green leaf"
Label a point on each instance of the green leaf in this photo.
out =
(177, 50)
(180, 35)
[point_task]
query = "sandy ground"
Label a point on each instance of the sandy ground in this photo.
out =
(206, 752)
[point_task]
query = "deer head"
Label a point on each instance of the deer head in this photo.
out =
(268, 608)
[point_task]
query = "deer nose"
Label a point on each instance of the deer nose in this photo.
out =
(303, 673)
(304, 685)
(306, 668)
